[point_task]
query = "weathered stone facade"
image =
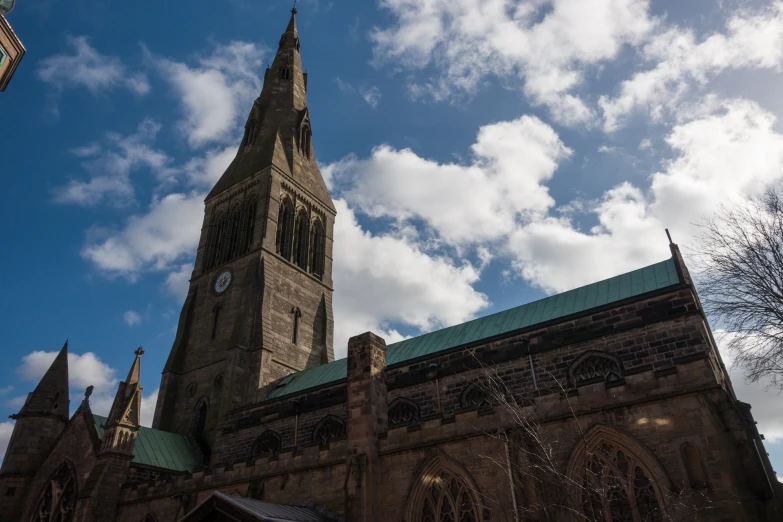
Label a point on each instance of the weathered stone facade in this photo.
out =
(620, 410)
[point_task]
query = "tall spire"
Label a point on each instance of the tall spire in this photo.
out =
(125, 414)
(278, 131)
(51, 394)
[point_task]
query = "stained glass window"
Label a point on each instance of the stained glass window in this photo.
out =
(58, 498)
(616, 488)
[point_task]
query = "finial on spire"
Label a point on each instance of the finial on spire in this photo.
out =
(669, 236)
(139, 352)
(88, 392)
(293, 9)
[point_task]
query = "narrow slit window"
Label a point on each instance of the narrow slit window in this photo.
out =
(215, 320)
(297, 316)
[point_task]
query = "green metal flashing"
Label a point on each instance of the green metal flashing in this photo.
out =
(160, 449)
(644, 280)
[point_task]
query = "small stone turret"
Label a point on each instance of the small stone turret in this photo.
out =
(38, 424)
(101, 494)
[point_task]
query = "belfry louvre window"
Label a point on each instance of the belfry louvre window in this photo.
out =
(302, 239)
(317, 245)
(58, 499)
(285, 228)
(231, 234)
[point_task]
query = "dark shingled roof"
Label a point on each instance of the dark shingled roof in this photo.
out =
(247, 509)
(641, 281)
(160, 449)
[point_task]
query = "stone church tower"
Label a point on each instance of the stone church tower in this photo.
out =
(609, 402)
(260, 300)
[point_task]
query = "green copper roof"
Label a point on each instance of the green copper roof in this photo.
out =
(160, 449)
(641, 281)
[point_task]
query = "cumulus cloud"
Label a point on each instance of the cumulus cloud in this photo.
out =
(86, 67)
(111, 165)
(751, 40)
(718, 157)
(149, 242)
(178, 281)
(131, 318)
(372, 95)
(478, 201)
(385, 279)
(215, 93)
(547, 45)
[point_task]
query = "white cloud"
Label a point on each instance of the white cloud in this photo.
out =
(131, 318)
(6, 429)
(547, 44)
(112, 164)
(215, 93)
(148, 408)
(411, 287)
(752, 40)
(476, 202)
(178, 281)
(717, 158)
(206, 171)
(372, 95)
(154, 241)
(88, 68)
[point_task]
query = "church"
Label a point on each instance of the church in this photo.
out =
(608, 402)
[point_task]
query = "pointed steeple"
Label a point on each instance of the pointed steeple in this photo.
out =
(278, 131)
(51, 395)
(125, 415)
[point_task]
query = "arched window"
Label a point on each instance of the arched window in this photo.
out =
(317, 248)
(329, 428)
(476, 395)
(305, 140)
(229, 251)
(297, 316)
(285, 73)
(285, 228)
(592, 367)
(403, 412)
(58, 499)
(615, 479)
(217, 230)
(267, 445)
(248, 225)
(442, 493)
(691, 457)
(201, 418)
(302, 239)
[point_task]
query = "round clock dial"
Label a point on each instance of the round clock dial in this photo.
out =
(222, 282)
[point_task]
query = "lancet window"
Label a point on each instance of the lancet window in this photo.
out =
(267, 445)
(285, 228)
(691, 456)
(329, 428)
(302, 239)
(305, 140)
(58, 499)
(317, 248)
(442, 494)
(231, 234)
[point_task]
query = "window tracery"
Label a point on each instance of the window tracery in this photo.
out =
(475, 396)
(616, 487)
(403, 411)
(231, 234)
(595, 367)
(58, 499)
(267, 445)
(329, 428)
(443, 493)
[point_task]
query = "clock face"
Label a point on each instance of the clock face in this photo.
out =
(222, 282)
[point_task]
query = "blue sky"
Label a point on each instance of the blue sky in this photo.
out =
(498, 150)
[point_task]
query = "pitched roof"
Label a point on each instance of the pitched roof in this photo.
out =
(160, 449)
(648, 279)
(247, 509)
